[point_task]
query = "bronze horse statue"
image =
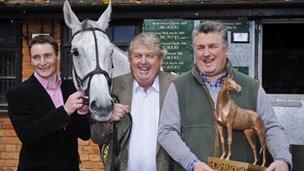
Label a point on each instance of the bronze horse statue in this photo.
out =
(229, 115)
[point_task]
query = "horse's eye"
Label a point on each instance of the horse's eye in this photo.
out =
(75, 52)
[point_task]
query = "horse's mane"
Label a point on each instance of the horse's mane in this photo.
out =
(120, 51)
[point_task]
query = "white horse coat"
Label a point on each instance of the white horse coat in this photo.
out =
(89, 45)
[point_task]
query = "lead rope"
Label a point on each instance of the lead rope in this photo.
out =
(118, 144)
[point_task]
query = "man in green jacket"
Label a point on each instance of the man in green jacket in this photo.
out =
(187, 128)
(133, 143)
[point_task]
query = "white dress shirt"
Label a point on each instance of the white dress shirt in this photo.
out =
(143, 139)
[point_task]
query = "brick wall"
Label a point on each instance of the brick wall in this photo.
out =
(9, 143)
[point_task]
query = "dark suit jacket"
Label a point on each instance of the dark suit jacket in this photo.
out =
(48, 134)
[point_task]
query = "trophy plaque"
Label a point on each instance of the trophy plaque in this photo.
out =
(230, 165)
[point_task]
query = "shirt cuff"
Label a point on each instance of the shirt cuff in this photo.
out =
(286, 161)
(191, 164)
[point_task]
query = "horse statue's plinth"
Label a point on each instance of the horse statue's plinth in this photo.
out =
(230, 165)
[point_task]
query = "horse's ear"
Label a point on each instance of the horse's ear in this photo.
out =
(104, 19)
(70, 18)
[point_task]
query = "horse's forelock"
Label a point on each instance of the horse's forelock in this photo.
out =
(87, 24)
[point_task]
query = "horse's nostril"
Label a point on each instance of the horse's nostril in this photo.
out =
(94, 105)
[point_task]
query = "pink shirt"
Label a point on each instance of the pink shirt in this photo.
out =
(53, 90)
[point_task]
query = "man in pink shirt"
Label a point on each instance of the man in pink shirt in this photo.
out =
(48, 113)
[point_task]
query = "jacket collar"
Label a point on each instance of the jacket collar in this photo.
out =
(195, 72)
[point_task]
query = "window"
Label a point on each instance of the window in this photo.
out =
(66, 59)
(10, 64)
(283, 58)
(120, 34)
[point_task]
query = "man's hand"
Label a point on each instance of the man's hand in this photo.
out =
(83, 110)
(74, 102)
(278, 165)
(119, 112)
(201, 166)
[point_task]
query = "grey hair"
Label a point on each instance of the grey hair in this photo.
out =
(149, 37)
(210, 26)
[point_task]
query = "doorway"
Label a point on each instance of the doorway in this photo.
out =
(283, 58)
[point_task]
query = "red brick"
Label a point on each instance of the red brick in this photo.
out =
(2, 140)
(25, 50)
(33, 29)
(92, 165)
(10, 148)
(27, 65)
(10, 140)
(9, 155)
(27, 73)
(2, 163)
(84, 157)
(82, 143)
(24, 43)
(18, 147)
(5, 168)
(2, 147)
(3, 118)
(57, 30)
(10, 133)
(80, 149)
(2, 132)
(11, 162)
(94, 157)
(92, 144)
(26, 57)
(7, 125)
(91, 150)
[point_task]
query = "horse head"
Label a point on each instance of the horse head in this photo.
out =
(92, 54)
(231, 85)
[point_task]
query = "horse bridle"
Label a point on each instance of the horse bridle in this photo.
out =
(97, 70)
(80, 82)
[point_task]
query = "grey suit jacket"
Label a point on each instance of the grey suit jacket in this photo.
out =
(101, 133)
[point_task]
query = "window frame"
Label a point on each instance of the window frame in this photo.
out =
(16, 48)
(260, 64)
